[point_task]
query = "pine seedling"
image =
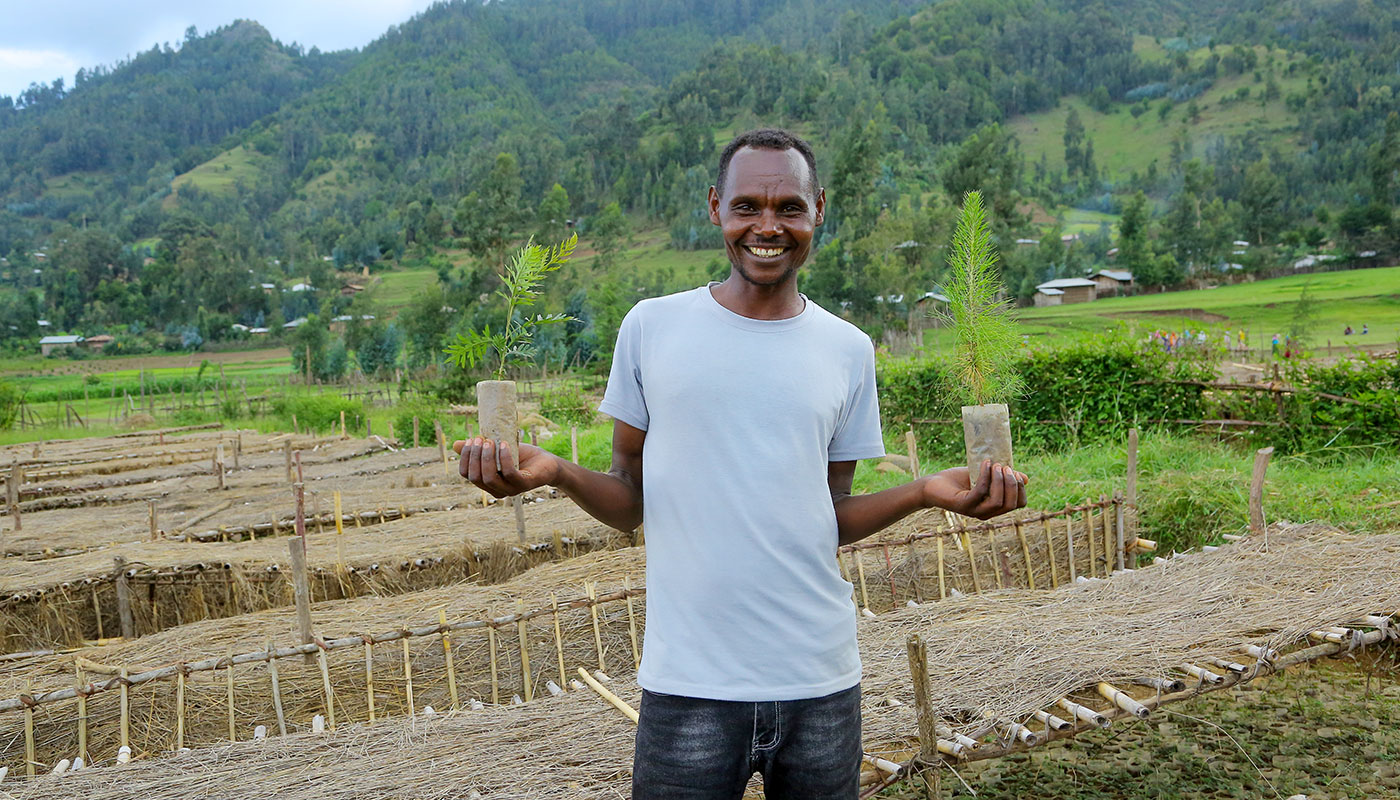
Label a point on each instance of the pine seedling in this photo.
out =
(985, 334)
(515, 341)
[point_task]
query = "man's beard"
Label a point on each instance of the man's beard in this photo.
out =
(786, 274)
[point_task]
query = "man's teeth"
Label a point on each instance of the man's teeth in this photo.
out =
(766, 252)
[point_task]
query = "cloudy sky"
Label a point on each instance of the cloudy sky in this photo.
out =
(45, 39)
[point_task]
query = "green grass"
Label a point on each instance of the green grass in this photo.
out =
(1123, 143)
(220, 174)
(1261, 308)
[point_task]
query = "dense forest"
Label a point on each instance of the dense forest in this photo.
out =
(165, 191)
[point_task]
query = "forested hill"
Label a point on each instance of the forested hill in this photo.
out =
(157, 185)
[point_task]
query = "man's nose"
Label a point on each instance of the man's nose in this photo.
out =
(767, 224)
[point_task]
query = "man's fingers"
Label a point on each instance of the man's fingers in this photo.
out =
(984, 481)
(458, 446)
(509, 473)
(997, 491)
(1021, 490)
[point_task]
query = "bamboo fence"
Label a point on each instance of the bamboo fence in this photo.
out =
(1008, 669)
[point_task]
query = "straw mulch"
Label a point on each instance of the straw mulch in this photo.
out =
(1003, 654)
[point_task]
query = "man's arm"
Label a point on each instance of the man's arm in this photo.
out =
(999, 490)
(614, 498)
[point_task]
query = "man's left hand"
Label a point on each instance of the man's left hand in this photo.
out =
(999, 490)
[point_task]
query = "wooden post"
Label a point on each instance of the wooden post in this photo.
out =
(632, 624)
(391, 430)
(972, 561)
(308, 365)
(523, 639)
(287, 456)
(519, 504)
(495, 678)
(558, 641)
(369, 428)
(295, 427)
(228, 680)
(1089, 534)
(408, 677)
(415, 432)
(155, 529)
(1132, 467)
(238, 446)
(296, 460)
(326, 684)
(12, 487)
(573, 443)
(1121, 544)
(339, 535)
(180, 710)
(942, 576)
(124, 694)
(1050, 554)
(276, 691)
(1026, 553)
(1257, 524)
(913, 445)
(342, 425)
(369, 676)
(442, 448)
(302, 592)
(128, 625)
(923, 706)
(219, 464)
(29, 730)
(447, 659)
(81, 682)
(1069, 543)
(597, 631)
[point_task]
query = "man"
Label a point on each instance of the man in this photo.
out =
(749, 407)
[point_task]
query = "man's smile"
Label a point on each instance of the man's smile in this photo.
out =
(764, 252)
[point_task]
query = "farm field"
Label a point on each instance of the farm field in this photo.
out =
(1260, 308)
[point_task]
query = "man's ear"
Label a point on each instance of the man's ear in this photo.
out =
(821, 206)
(714, 206)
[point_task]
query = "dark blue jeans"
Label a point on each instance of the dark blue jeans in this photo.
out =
(694, 749)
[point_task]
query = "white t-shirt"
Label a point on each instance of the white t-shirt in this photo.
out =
(744, 597)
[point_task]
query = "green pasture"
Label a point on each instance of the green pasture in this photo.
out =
(1261, 308)
(221, 173)
(1124, 143)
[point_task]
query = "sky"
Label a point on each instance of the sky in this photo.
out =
(45, 39)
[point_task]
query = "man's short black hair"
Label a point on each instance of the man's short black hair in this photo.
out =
(766, 139)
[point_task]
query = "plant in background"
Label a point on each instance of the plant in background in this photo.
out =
(514, 342)
(983, 370)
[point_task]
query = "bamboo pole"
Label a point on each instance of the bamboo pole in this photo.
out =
(1093, 549)
(301, 589)
(558, 641)
(942, 576)
(447, 660)
(860, 571)
(442, 448)
(602, 691)
(276, 691)
(29, 731)
(592, 590)
(632, 625)
(179, 711)
(82, 714)
(928, 723)
(912, 444)
(1120, 537)
(12, 487)
(369, 676)
(1256, 492)
(125, 697)
(329, 690)
(228, 681)
(1084, 713)
(1105, 526)
(128, 624)
(972, 561)
(1026, 553)
(408, 677)
(1069, 543)
(1123, 700)
(524, 641)
(495, 679)
(339, 535)
(342, 425)
(415, 432)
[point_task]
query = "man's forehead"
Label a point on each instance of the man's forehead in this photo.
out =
(767, 166)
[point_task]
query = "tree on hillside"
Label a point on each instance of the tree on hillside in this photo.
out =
(551, 220)
(850, 190)
(1074, 144)
(1385, 161)
(605, 231)
(1261, 200)
(486, 218)
(1134, 244)
(989, 161)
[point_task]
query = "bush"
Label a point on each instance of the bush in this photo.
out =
(318, 411)
(426, 411)
(568, 405)
(11, 401)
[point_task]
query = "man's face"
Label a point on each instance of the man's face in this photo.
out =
(767, 214)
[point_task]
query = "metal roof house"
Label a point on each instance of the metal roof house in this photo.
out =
(48, 344)
(1072, 290)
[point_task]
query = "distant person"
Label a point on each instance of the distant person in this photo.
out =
(1347, 332)
(1365, 329)
(1275, 349)
(752, 405)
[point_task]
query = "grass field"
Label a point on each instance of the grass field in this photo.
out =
(1261, 308)
(1124, 143)
(219, 174)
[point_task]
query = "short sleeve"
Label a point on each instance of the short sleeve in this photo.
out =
(858, 429)
(624, 398)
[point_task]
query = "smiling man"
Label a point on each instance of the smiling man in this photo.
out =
(749, 406)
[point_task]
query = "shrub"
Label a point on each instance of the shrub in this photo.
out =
(318, 411)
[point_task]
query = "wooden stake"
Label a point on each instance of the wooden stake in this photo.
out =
(408, 677)
(632, 625)
(29, 728)
(82, 714)
(972, 561)
(1089, 534)
(912, 444)
(617, 702)
(1069, 540)
(228, 680)
(330, 692)
(128, 625)
(573, 443)
(342, 425)
(447, 659)
(923, 706)
(238, 446)
(1132, 466)
(391, 430)
(369, 676)
(523, 639)
(495, 682)
(597, 631)
(558, 642)
(415, 432)
(1026, 553)
(442, 448)
(1121, 543)
(287, 456)
(1050, 554)
(12, 487)
(339, 536)
(942, 575)
(860, 573)
(179, 710)
(296, 548)
(125, 694)
(276, 691)
(1256, 492)
(519, 504)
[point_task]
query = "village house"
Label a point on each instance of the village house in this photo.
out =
(1063, 291)
(96, 343)
(1112, 281)
(48, 344)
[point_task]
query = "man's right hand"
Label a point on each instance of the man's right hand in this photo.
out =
(478, 465)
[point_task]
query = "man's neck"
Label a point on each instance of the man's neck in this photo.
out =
(779, 301)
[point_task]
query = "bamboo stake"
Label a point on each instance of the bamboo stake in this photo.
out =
(369, 677)
(1122, 699)
(408, 676)
(942, 577)
(592, 588)
(155, 530)
(523, 639)
(339, 535)
(12, 487)
(97, 612)
(301, 590)
(442, 448)
(573, 443)
(1089, 534)
(972, 561)
(602, 691)
(558, 641)
(276, 691)
(860, 571)
(228, 680)
(329, 691)
(29, 730)
(928, 724)
(342, 425)
(287, 457)
(495, 683)
(913, 445)
(632, 625)
(1026, 553)
(179, 711)
(447, 658)
(125, 696)
(1256, 492)
(82, 714)
(128, 624)
(1069, 541)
